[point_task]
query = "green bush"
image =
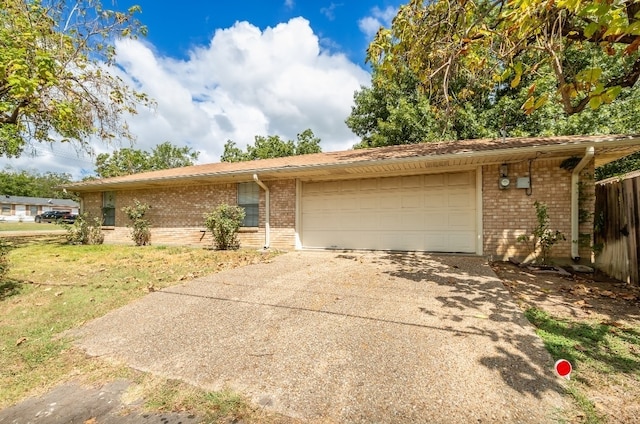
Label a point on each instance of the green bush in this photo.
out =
(85, 230)
(140, 232)
(224, 223)
(542, 238)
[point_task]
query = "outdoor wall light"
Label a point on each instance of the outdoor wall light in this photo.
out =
(503, 181)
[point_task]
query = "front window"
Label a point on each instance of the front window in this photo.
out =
(33, 210)
(249, 199)
(109, 208)
(6, 209)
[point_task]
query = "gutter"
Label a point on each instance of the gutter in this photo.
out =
(267, 229)
(575, 212)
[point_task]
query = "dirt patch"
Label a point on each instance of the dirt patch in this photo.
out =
(577, 296)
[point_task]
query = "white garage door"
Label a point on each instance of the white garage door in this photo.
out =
(435, 213)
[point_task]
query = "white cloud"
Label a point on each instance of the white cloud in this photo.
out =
(369, 25)
(246, 82)
(329, 12)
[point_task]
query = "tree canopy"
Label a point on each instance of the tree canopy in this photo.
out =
(34, 184)
(578, 52)
(132, 161)
(54, 73)
(272, 147)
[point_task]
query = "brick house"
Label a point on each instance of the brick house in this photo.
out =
(472, 196)
(23, 208)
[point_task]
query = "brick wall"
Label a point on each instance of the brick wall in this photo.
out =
(510, 213)
(176, 213)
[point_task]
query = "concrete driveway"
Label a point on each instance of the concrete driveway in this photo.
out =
(345, 337)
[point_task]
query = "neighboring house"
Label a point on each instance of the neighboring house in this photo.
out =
(21, 208)
(472, 196)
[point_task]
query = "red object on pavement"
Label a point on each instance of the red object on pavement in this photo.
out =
(563, 368)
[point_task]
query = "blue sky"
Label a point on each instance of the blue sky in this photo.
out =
(227, 70)
(174, 30)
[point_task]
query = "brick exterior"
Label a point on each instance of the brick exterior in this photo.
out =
(510, 213)
(177, 211)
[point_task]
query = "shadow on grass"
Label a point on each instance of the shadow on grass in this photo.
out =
(9, 288)
(607, 347)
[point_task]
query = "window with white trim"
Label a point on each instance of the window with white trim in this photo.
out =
(249, 199)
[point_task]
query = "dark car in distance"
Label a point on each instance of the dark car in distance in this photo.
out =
(68, 218)
(50, 216)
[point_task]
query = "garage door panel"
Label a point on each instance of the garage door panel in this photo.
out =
(412, 200)
(412, 182)
(459, 199)
(462, 242)
(460, 220)
(390, 183)
(390, 201)
(423, 212)
(460, 178)
(436, 180)
(369, 202)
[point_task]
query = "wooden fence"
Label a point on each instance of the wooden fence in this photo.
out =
(617, 227)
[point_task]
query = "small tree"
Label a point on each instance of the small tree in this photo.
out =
(85, 230)
(542, 238)
(224, 223)
(140, 233)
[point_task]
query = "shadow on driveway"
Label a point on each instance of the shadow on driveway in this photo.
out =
(345, 337)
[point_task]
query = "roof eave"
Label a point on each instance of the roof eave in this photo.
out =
(291, 171)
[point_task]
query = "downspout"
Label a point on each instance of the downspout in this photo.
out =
(267, 230)
(575, 211)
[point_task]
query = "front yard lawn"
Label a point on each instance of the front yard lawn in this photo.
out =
(52, 287)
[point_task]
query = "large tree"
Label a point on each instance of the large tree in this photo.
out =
(272, 147)
(55, 82)
(458, 48)
(34, 184)
(128, 161)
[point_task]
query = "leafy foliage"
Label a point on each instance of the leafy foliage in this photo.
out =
(272, 147)
(54, 79)
(542, 238)
(33, 184)
(224, 223)
(128, 161)
(462, 48)
(140, 232)
(84, 230)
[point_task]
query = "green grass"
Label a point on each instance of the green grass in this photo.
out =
(602, 354)
(28, 226)
(54, 287)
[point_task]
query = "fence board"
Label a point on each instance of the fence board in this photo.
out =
(618, 231)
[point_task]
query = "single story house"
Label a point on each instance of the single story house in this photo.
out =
(471, 196)
(23, 208)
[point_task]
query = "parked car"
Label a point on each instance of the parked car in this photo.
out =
(51, 216)
(68, 218)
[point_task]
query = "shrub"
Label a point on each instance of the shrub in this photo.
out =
(224, 223)
(5, 247)
(85, 230)
(542, 238)
(140, 233)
